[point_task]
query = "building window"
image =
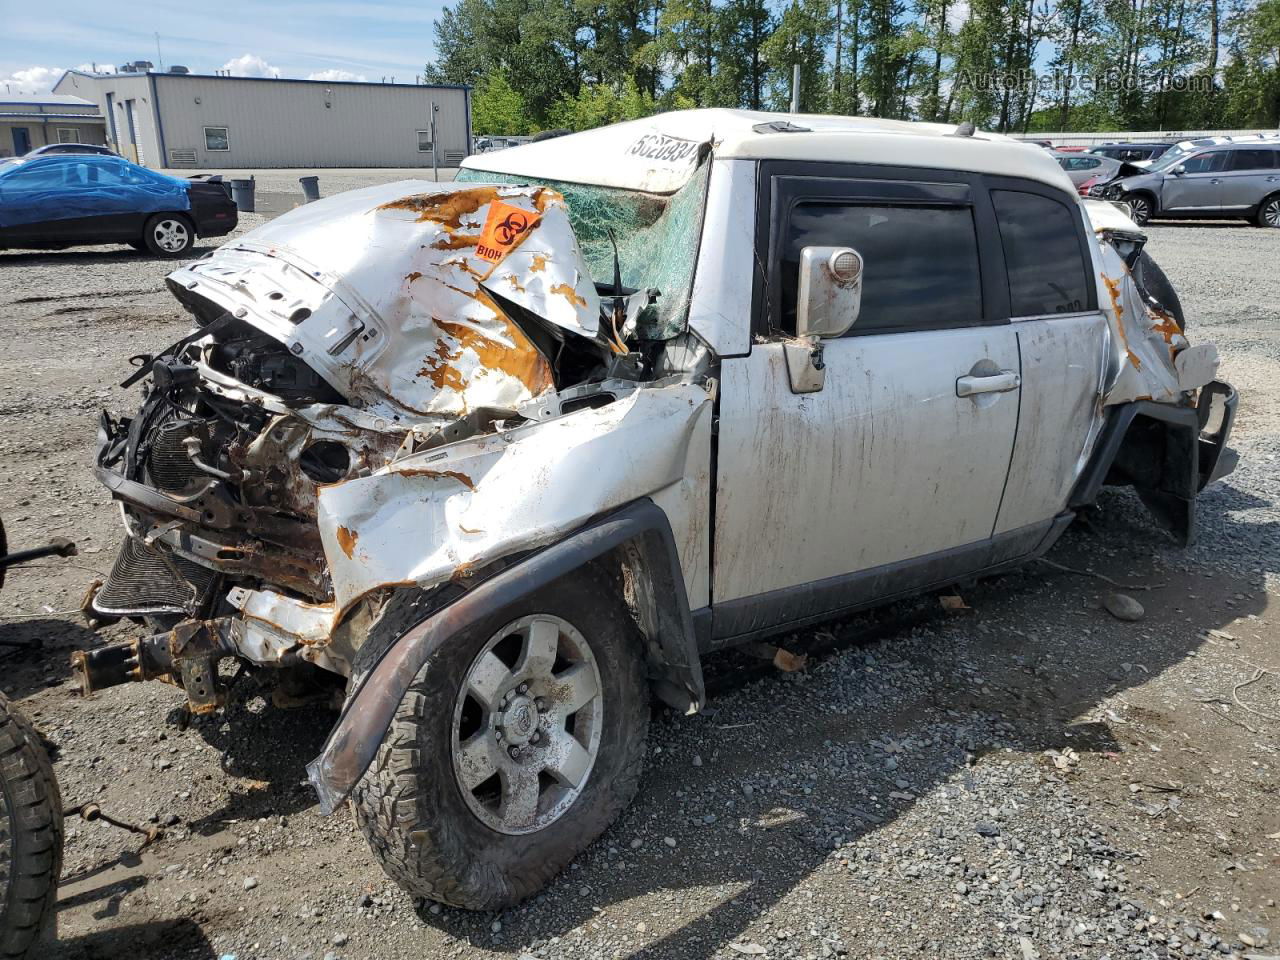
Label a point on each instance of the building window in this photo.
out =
(424, 141)
(68, 134)
(215, 138)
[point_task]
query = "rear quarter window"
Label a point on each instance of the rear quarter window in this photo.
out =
(1042, 251)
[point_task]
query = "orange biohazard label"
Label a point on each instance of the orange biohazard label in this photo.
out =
(503, 229)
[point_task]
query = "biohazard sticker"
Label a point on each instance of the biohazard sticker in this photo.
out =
(503, 229)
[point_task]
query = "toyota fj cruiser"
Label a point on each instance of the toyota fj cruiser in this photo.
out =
(507, 457)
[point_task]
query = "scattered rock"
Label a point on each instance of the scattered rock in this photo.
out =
(1123, 607)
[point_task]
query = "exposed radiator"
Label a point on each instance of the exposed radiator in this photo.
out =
(142, 582)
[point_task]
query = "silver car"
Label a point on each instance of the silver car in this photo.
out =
(1083, 167)
(1225, 180)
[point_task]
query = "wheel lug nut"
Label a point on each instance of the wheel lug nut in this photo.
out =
(515, 754)
(541, 705)
(523, 688)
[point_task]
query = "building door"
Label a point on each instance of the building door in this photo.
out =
(21, 141)
(135, 150)
(111, 121)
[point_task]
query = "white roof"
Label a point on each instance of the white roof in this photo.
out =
(658, 154)
(46, 99)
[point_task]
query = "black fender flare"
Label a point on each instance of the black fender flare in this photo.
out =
(1191, 457)
(640, 530)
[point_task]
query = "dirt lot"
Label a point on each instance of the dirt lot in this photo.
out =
(1026, 778)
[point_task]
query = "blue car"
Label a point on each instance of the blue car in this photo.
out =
(52, 202)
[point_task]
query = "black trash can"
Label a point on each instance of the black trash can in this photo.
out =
(242, 194)
(310, 188)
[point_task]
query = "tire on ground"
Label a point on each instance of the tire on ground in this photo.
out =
(409, 804)
(152, 242)
(30, 837)
(1268, 213)
(1154, 281)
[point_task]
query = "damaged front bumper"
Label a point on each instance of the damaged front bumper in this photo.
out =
(374, 398)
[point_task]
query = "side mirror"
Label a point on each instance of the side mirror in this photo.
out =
(1178, 170)
(829, 294)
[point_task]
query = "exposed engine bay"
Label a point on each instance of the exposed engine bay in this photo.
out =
(369, 347)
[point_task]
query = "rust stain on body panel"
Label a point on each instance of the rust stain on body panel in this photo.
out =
(569, 294)
(455, 241)
(347, 541)
(445, 208)
(462, 478)
(1113, 288)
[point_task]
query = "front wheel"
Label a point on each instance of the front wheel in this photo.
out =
(518, 743)
(1142, 208)
(168, 235)
(1269, 212)
(30, 837)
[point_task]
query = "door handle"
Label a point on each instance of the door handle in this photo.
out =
(1001, 382)
(1272, 179)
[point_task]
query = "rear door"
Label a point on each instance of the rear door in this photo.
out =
(830, 498)
(1062, 339)
(1250, 176)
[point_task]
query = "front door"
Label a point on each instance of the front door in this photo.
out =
(21, 141)
(888, 463)
(1198, 188)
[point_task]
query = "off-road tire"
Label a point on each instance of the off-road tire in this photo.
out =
(1154, 281)
(30, 837)
(409, 805)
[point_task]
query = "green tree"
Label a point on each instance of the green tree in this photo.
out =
(803, 34)
(496, 108)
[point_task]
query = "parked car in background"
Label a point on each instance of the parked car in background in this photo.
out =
(1231, 179)
(1081, 167)
(1130, 152)
(1181, 149)
(53, 202)
(53, 149)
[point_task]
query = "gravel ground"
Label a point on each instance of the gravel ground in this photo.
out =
(1027, 777)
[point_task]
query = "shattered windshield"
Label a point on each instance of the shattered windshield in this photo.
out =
(657, 238)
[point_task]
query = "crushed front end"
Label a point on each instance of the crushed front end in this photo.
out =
(378, 368)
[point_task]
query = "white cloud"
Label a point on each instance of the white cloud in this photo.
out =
(250, 65)
(32, 79)
(332, 74)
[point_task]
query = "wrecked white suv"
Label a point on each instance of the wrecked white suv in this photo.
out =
(506, 457)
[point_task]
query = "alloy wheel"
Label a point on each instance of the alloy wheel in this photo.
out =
(527, 724)
(1271, 212)
(171, 235)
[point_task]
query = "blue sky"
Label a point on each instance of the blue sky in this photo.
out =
(322, 39)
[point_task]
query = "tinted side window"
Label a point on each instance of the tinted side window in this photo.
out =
(1206, 163)
(921, 263)
(1253, 159)
(1047, 269)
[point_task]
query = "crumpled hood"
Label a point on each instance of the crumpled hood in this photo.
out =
(382, 292)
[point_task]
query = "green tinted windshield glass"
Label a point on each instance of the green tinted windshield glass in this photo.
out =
(657, 238)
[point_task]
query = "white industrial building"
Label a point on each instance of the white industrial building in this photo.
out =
(175, 119)
(30, 120)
